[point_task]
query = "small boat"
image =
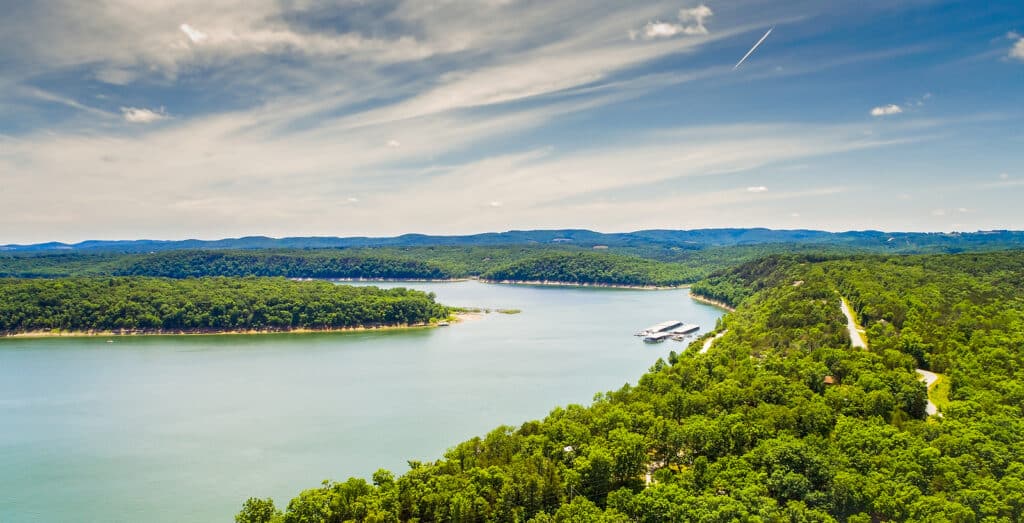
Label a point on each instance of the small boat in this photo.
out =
(442, 324)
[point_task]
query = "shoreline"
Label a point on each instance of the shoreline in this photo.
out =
(709, 301)
(386, 280)
(545, 283)
(549, 283)
(455, 318)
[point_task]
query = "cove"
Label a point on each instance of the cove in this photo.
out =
(185, 428)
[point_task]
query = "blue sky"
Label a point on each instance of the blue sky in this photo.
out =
(208, 119)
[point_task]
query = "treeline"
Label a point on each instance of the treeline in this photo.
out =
(60, 265)
(780, 421)
(593, 268)
(733, 285)
(292, 264)
(217, 304)
(557, 263)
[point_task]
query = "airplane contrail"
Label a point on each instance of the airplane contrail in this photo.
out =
(751, 51)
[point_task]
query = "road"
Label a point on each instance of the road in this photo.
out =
(857, 341)
(929, 379)
(856, 338)
(709, 341)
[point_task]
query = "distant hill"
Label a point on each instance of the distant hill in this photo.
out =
(685, 239)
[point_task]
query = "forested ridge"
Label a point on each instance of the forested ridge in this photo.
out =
(557, 263)
(214, 304)
(293, 264)
(591, 268)
(655, 261)
(781, 420)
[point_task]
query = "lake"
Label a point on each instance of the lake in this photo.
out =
(185, 428)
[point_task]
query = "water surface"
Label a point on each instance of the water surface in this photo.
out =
(184, 428)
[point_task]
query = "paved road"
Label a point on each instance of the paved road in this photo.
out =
(856, 340)
(929, 379)
(709, 341)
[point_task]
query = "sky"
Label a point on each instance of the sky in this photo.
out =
(126, 119)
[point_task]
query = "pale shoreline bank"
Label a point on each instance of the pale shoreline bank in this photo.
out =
(549, 283)
(456, 318)
(385, 280)
(709, 301)
(546, 283)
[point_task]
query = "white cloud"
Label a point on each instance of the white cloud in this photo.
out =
(1004, 176)
(142, 115)
(938, 212)
(115, 76)
(661, 30)
(794, 215)
(697, 15)
(291, 185)
(1017, 51)
(325, 125)
(691, 23)
(193, 34)
(757, 188)
(46, 96)
(886, 110)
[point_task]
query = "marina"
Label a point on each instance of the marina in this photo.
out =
(674, 329)
(664, 326)
(657, 337)
(685, 329)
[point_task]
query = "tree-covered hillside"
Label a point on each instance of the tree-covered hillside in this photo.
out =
(593, 268)
(157, 305)
(780, 420)
(647, 258)
(292, 264)
(558, 263)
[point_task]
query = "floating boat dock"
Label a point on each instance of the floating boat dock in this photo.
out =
(688, 328)
(664, 326)
(657, 337)
(674, 329)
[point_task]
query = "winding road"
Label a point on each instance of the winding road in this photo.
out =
(709, 341)
(929, 378)
(857, 340)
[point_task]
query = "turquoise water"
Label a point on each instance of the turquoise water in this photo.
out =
(185, 428)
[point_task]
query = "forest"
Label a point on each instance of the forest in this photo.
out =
(630, 265)
(559, 263)
(201, 305)
(592, 268)
(780, 420)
